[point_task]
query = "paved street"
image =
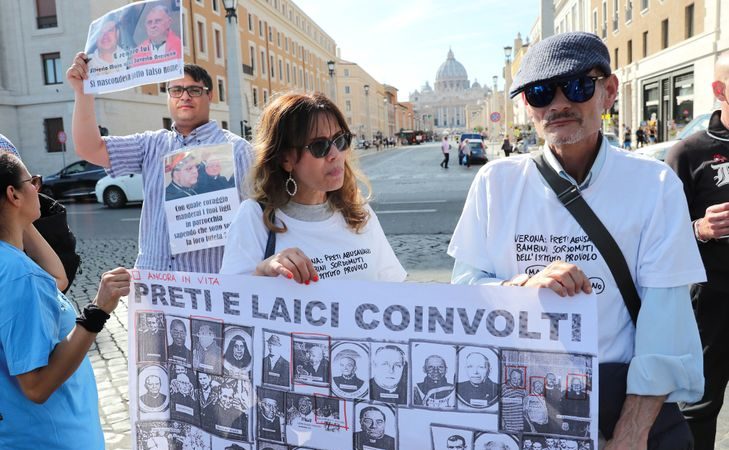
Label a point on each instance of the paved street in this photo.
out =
(417, 202)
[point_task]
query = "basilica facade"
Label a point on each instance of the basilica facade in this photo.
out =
(444, 107)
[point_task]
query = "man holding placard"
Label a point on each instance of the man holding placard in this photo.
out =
(188, 101)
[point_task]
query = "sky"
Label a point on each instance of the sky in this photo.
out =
(404, 42)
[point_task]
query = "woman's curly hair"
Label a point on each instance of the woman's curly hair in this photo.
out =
(285, 125)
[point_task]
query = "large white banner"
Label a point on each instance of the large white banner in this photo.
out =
(238, 362)
(137, 44)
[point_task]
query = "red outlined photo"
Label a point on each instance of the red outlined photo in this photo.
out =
(534, 379)
(507, 379)
(571, 378)
(324, 412)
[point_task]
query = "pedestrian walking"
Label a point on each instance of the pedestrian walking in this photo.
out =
(466, 153)
(641, 347)
(49, 397)
(188, 102)
(639, 137)
(627, 138)
(445, 147)
(702, 161)
(506, 147)
(305, 200)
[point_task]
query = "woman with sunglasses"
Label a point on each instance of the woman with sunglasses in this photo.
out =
(49, 397)
(304, 190)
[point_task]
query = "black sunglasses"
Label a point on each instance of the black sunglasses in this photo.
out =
(578, 90)
(319, 148)
(192, 91)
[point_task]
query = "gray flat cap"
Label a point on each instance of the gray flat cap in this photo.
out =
(561, 56)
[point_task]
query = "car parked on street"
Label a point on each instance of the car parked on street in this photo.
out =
(76, 180)
(117, 192)
(659, 151)
(478, 151)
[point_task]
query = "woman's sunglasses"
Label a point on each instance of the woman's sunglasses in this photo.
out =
(578, 90)
(36, 181)
(319, 148)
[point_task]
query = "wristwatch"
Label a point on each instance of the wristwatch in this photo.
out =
(516, 280)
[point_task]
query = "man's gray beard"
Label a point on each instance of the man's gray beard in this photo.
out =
(567, 140)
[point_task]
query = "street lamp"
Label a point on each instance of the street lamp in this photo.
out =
(234, 68)
(387, 117)
(508, 108)
(330, 65)
(494, 105)
(367, 110)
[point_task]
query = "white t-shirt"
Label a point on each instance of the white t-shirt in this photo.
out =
(513, 223)
(334, 248)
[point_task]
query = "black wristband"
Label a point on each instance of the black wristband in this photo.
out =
(92, 318)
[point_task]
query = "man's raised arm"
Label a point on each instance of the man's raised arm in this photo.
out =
(86, 135)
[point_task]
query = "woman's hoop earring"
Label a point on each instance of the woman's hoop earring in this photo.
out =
(291, 190)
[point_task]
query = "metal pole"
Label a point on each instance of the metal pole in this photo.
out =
(234, 72)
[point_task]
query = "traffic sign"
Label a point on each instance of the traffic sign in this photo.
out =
(495, 116)
(62, 137)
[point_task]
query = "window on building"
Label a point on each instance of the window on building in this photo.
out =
(645, 44)
(253, 57)
(265, 96)
(689, 28)
(45, 14)
(221, 91)
(216, 8)
(163, 87)
(51, 127)
(278, 39)
(346, 72)
(288, 72)
(643, 5)
(224, 124)
(616, 13)
(280, 70)
(628, 11)
(595, 22)
(201, 38)
(167, 123)
(664, 34)
(294, 74)
(250, 23)
(218, 44)
(615, 58)
(348, 105)
(255, 97)
(604, 19)
(270, 34)
(260, 28)
(263, 62)
(630, 51)
(273, 74)
(346, 90)
(52, 71)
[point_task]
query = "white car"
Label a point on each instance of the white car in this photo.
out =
(117, 192)
(658, 151)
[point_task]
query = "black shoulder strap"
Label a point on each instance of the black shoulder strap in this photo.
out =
(570, 196)
(271, 243)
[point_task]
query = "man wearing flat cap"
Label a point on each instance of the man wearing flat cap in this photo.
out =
(566, 83)
(276, 368)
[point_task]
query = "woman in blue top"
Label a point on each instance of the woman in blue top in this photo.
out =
(48, 395)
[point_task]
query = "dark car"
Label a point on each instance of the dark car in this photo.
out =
(76, 180)
(478, 152)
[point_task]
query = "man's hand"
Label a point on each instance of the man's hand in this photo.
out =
(636, 419)
(78, 72)
(114, 284)
(715, 222)
(563, 278)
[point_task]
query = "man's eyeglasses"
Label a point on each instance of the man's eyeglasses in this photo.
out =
(36, 181)
(578, 90)
(319, 148)
(192, 91)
